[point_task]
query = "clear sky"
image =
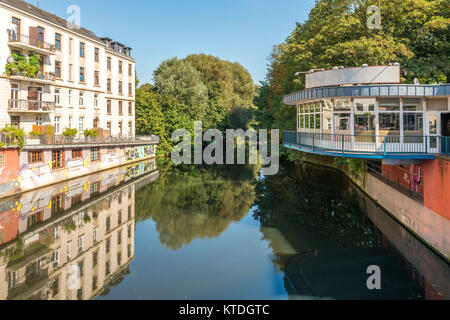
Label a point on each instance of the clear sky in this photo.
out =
(241, 31)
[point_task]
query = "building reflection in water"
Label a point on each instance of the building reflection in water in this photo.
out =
(73, 240)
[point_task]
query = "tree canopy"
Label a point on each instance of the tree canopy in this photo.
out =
(198, 88)
(414, 33)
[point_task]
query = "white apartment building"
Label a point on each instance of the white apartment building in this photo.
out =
(84, 81)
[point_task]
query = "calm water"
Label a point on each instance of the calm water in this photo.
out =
(214, 233)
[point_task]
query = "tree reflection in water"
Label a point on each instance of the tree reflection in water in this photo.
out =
(195, 202)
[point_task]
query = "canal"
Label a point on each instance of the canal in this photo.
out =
(212, 233)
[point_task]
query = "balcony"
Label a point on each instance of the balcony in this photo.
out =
(368, 146)
(81, 140)
(24, 42)
(40, 78)
(30, 106)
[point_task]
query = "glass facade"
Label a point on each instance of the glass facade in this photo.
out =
(392, 119)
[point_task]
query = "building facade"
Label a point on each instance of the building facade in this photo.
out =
(83, 81)
(72, 240)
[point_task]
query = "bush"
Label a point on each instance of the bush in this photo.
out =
(35, 134)
(90, 133)
(70, 133)
(23, 66)
(15, 136)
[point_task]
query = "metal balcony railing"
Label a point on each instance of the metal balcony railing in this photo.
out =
(368, 144)
(81, 139)
(24, 39)
(38, 76)
(31, 105)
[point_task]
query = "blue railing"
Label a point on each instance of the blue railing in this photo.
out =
(367, 144)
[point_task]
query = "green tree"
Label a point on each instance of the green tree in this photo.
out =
(179, 79)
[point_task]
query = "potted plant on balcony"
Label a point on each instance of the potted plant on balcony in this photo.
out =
(49, 133)
(70, 134)
(15, 137)
(90, 134)
(21, 66)
(34, 138)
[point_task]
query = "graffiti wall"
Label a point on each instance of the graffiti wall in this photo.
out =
(36, 168)
(9, 170)
(19, 215)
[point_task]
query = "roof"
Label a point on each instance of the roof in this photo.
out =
(38, 12)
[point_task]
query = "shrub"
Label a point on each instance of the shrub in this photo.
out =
(15, 136)
(90, 133)
(70, 133)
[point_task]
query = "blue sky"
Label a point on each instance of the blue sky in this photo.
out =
(241, 31)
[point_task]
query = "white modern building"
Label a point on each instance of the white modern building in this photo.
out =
(83, 81)
(365, 112)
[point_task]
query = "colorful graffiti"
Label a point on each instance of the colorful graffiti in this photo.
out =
(36, 175)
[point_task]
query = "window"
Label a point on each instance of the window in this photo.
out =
(82, 79)
(119, 258)
(412, 105)
(58, 125)
(120, 108)
(55, 259)
(342, 122)
(57, 159)
(130, 89)
(95, 254)
(69, 250)
(130, 69)
(120, 67)
(130, 108)
(94, 283)
(119, 218)
(35, 157)
(80, 244)
(96, 78)
(108, 224)
(129, 231)
(35, 218)
(81, 98)
(96, 52)
(57, 96)
(58, 69)
(365, 125)
(77, 153)
(15, 32)
(81, 124)
(389, 104)
(108, 126)
(343, 105)
(108, 85)
(413, 127)
(56, 232)
(70, 72)
(120, 87)
(95, 236)
(39, 121)
(70, 97)
(107, 269)
(2, 157)
(58, 41)
(70, 122)
(130, 128)
(108, 107)
(108, 63)
(76, 200)
(120, 127)
(95, 100)
(390, 122)
(82, 45)
(40, 37)
(95, 154)
(70, 46)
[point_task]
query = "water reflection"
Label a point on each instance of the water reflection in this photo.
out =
(196, 202)
(337, 233)
(192, 232)
(86, 225)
